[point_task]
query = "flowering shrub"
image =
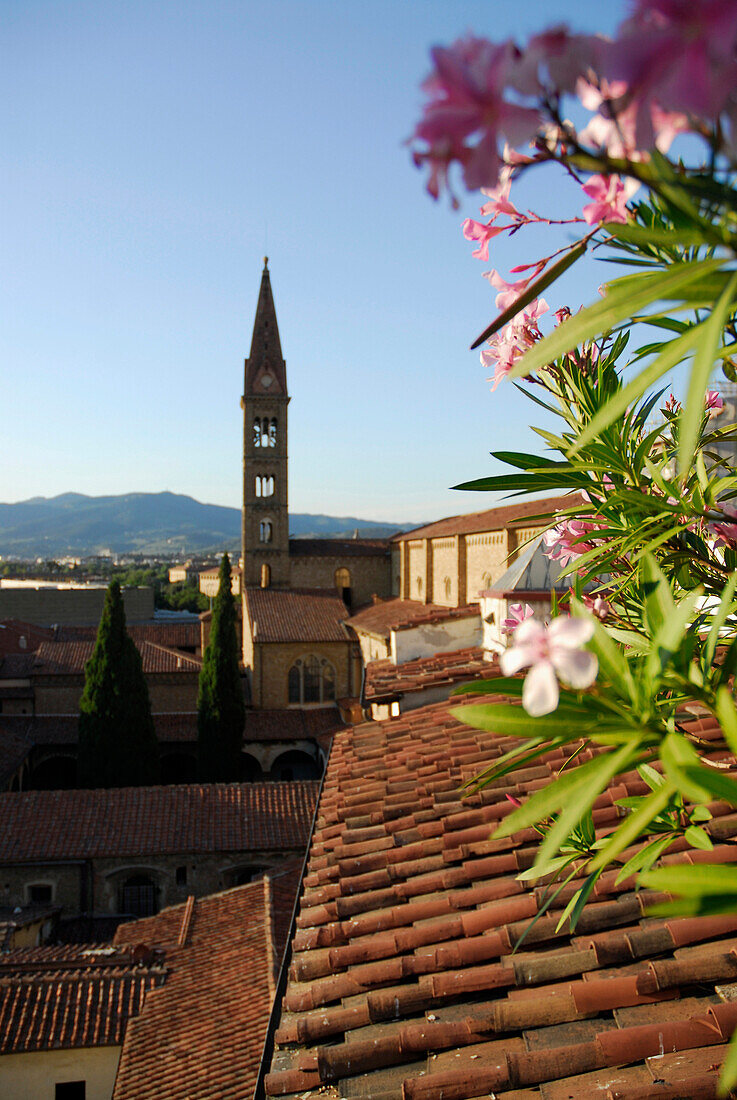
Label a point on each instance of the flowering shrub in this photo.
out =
(653, 638)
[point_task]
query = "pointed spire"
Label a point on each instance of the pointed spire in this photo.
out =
(266, 371)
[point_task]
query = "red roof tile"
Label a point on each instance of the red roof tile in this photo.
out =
(296, 615)
(396, 614)
(403, 981)
(69, 658)
(63, 729)
(202, 1035)
(17, 636)
(84, 824)
(493, 519)
(289, 724)
(175, 635)
(71, 997)
(384, 679)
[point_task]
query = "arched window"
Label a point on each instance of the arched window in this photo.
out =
(272, 432)
(264, 486)
(486, 581)
(446, 587)
(265, 531)
(418, 584)
(265, 575)
(295, 765)
(311, 680)
(342, 578)
(138, 896)
(257, 432)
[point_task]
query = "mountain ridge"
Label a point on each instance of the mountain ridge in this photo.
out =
(78, 525)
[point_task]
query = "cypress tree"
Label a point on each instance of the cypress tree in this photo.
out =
(117, 740)
(220, 707)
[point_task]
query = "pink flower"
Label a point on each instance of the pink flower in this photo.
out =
(551, 653)
(713, 403)
(676, 55)
(726, 532)
(598, 606)
(467, 114)
(609, 197)
(477, 231)
(504, 349)
(499, 196)
(565, 543)
(517, 614)
(508, 292)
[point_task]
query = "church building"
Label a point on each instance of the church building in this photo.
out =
(296, 593)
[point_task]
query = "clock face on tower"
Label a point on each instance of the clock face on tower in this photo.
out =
(267, 380)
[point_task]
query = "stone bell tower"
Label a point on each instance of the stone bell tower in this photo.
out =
(265, 514)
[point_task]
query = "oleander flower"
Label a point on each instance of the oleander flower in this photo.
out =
(713, 403)
(567, 541)
(518, 612)
(552, 653)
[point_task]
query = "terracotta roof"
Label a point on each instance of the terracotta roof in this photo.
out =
(290, 724)
(70, 997)
(84, 824)
(202, 1035)
(403, 982)
(16, 666)
(493, 519)
(176, 635)
(339, 548)
(396, 614)
(296, 615)
(63, 729)
(69, 658)
(17, 636)
(384, 679)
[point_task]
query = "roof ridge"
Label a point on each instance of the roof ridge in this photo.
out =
(185, 926)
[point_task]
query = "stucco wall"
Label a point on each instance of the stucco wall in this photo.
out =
(486, 559)
(34, 1076)
(373, 648)
(430, 638)
(416, 562)
(445, 569)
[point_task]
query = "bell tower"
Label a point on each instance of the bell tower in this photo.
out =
(265, 514)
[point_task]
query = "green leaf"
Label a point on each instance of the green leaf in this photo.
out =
(634, 825)
(503, 718)
(700, 783)
(672, 354)
(532, 292)
(718, 619)
(727, 715)
(644, 859)
(703, 364)
(577, 902)
(728, 1076)
(693, 880)
(625, 297)
(612, 663)
(698, 838)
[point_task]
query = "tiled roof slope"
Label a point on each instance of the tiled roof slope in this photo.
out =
(385, 679)
(220, 817)
(69, 658)
(63, 729)
(395, 614)
(403, 984)
(493, 519)
(201, 1036)
(17, 636)
(338, 548)
(176, 635)
(296, 615)
(284, 724)
(71, 997)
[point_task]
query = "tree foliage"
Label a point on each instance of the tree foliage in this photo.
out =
(117, 740)
(220, 706)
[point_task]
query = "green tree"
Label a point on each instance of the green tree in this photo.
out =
(220, 708)
(117, 740)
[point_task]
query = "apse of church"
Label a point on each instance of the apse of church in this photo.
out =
(265, 515)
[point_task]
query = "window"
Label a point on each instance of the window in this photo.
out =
(40, 893)
(265, 531)
(446, 587)
(180, 876)
(264, 432)
(138, 896)
(311, 680)
(272, 432)
(418, 584)
(342, 578)
(70, 1090)
(486, 581)
(264, 486)
(265, 575)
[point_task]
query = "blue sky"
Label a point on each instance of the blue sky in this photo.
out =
(154, 152)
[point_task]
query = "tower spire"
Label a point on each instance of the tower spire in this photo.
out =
(266, 371)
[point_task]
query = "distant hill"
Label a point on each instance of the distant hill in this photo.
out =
(146, 523)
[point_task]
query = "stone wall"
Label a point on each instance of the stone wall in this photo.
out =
(271, 663)
(445, 572)
(176, 691)
(370, 575)
(486, 560)
(71, 606)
